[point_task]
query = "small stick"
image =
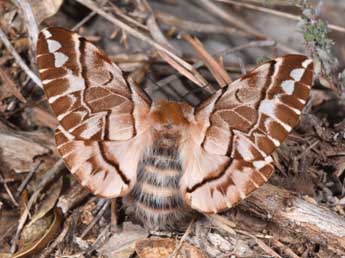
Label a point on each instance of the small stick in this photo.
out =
(183, 238)
(18, 59)
(8, 190)
(213, 8)
(47, 251)
(217, 70)
(267, 249)
(120, 13)
(252, 44)
(86, 18)
(197, 27)
(289, 253)
(95, 220)
(222, 222)
(28, 178)
(89, 4)
(102, 237)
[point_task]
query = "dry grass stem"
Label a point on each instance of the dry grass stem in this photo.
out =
(18, 59)
(196, 27)
(139, 35)
(230, 18)
(276, 12)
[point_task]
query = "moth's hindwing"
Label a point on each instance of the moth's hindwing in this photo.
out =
(99, 113)
(242, 125)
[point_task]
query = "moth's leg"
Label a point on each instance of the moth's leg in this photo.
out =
(117, 215)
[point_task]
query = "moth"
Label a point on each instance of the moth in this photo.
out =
(167, 158)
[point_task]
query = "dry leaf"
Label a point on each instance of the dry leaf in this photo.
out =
(36, 236)
(122, 244)
(163, 247)
(49, 202)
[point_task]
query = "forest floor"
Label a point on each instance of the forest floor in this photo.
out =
(300, 212)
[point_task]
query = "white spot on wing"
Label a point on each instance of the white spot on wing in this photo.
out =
(243, 147)
(46, 33)
(302, 101)
(288, 86)
(93, 126)
(258, 164)
(48, 81)
(306, 62)
(297, 73)
(53, 45)
(43, 70)
(268, 107)
(60, 59)
(268, 129)
(268, 159)
(76, 83)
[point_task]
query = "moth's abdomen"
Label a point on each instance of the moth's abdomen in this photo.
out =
(157, 199)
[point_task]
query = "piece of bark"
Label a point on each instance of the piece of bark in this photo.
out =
(291, 213)
(19, 149)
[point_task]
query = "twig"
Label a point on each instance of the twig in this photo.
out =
(15, 203)
(28, 178)
(230, 19)
(225, 15)
(183, 238)
(276, 12)
(156, 32)
(310, 147)
(84, 20)
(102, 237)
(47, 251)
(142, 37)
(217, 70)
(96, 219)
(266, 248)
(120, 13)
(74, 196)
(286, 250)
(18, 59)
(223, 223)
(223, 53)
(192, 26)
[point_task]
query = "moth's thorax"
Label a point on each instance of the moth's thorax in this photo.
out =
(170, 116)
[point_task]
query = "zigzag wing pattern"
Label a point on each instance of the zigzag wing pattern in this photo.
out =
(100, 115)
(245, 123)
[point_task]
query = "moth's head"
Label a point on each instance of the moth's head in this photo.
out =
(169, 115)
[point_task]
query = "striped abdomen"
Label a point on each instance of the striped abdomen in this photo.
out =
(157, 199)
